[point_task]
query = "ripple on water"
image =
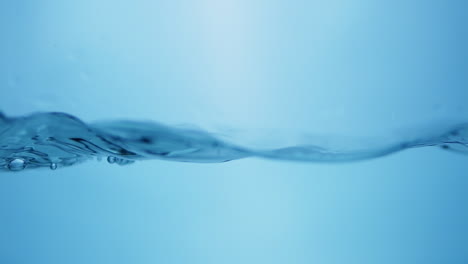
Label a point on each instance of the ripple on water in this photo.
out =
(53, 140)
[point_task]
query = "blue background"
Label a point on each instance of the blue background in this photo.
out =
(264, 72)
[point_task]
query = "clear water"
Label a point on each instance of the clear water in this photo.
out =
(345, 123)
(54, 140)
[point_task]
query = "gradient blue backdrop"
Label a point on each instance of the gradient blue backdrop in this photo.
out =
(265, 71)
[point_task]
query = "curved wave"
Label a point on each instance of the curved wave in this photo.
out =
(54, 140)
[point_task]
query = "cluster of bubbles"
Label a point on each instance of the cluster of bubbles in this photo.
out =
(119, 161)
(19, 164)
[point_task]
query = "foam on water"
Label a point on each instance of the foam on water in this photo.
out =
(53, 140)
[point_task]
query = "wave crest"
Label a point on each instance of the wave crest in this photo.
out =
(55, 139)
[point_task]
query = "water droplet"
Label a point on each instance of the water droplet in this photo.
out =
(53, 166)
(111, 159)
(16, 164)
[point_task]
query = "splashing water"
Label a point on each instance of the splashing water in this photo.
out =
(54, 140)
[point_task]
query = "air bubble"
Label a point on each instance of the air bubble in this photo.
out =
(124, 162)
(119, 161)
(111, 159)
(53, 166)
(16, 164)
